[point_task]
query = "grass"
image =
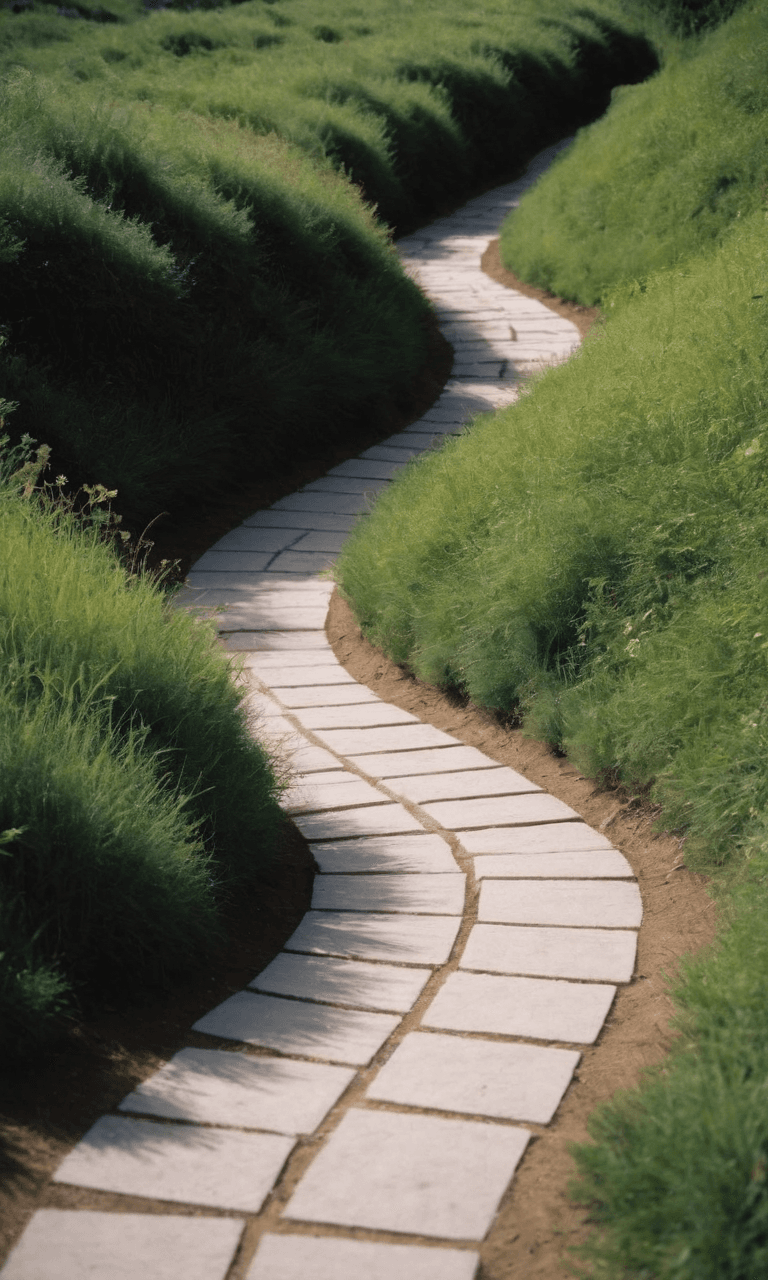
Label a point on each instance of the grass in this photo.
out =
(187, 200)
(667, 171)
(602, 578)
(134, 800)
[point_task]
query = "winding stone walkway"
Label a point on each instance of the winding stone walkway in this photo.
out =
(366, 1100)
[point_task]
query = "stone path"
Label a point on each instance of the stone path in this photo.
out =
(366, 1100)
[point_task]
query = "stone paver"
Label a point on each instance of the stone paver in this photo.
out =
(555, 910)
(478, 1077)
(212, 1087)
(383, 819)
(83, 1244)
(286, 1257)
(439, 895)
(431, 1176)
(184, 1163)
(407, 737)
(399, 763)
(414, 853)
(596, 864)
(563, 837)
(382, 987)
(400, 939)
(460, 815)
(535, 1009)
(599, 955)
(299, 1027)
(588, 904)
(450, 786)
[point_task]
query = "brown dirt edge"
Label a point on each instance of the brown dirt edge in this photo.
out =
(582, 317)
(538, 1224)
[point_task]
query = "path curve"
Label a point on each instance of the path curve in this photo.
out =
(365, 1102)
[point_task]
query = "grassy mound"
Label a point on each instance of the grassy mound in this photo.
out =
(668, 170)
(133, 799)
(193, 284)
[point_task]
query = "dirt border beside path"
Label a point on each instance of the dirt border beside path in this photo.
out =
(582, 317)
(537, 1223)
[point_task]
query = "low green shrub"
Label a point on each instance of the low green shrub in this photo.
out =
(669, 169)
(134, 800)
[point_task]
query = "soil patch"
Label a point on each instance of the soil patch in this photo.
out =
(538, 1224)
(582, 317)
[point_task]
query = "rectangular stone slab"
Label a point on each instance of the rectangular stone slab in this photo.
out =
(248, 539)
(286, 1257)
(477, 1077)
(407, 737)
(399, 938)
(293, 561)
(596, 955)
(185, 1163)
(274, 519)
(312, 656)
(533, 1008)
(438, 895)
(263, 642)
(354, 717)
(308, 796)
(312, 759)
(597, 864)
(584, 904)
(375, 820)
(461, 786)
(383, 987)
(209, 1086)
(398, 764)
(298, 1027)
(430, 1176)
(238, 562)
(336, 695)
(297, 674)
(458, 815)
(317, 540)
(561, 838)
(83, 1244)
(415, 853)
(323, 503)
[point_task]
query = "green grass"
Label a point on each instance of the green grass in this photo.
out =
(602, 577)
(668, 170)
(194, 284)
(134, 800)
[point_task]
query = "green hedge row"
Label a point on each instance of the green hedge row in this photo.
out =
(193, 285)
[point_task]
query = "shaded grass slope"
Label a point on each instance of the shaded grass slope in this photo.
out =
(133, 799)
(193, 281)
